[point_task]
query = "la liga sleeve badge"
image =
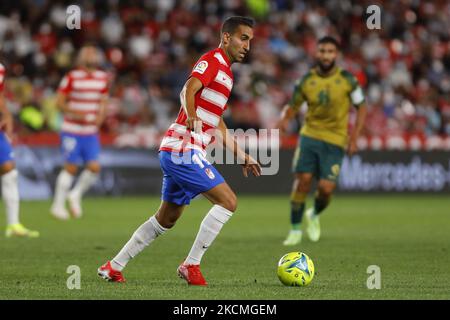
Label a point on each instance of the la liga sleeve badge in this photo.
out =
(201, 67)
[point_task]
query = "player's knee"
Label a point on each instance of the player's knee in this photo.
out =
(303, 187)
(233, 204)
(230, 203)
(168, 224)
(70, 168)
(7, 167)
(167, 219)
(164, 219)
(94, 167)
(165, 222)
(325, 192)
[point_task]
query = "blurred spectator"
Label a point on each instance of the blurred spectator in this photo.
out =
(151, 46)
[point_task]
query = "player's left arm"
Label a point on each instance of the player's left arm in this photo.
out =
(101, 115)
(102, 111)
(6, 122)
(357, 98)
(6, 119)
(228, 141)
(359, 125)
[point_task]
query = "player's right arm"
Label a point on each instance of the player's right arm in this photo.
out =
(61, 102)
(187, 96)
(202, 74)
(61, 99)
(292, 107)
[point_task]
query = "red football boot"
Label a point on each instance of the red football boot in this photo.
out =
(109, 274)
(192, 274)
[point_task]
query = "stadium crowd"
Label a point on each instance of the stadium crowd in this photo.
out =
(150, 47)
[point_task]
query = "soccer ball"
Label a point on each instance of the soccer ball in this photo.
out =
(295, 269)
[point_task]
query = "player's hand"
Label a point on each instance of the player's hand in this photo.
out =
(6, 124)
(99, 122)
(251, 165)
(282, 125)
(194, 124)
(352, 147)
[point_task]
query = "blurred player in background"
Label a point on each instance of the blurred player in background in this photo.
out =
(329, 92)
(8, 171)
(82, 97)
(182, 154)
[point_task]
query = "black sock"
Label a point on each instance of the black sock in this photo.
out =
(297, 209)
(320, 204)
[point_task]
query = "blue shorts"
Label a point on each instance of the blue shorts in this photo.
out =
(186, 175)
(80, 149)
(6, 152)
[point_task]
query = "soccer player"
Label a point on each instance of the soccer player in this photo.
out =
(8, 171)
(82, 97)
(329, 92)
(186, 171)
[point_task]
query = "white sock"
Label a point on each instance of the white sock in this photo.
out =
(209, 229)
(10, 193)
(141, 238)
(63, 184)
(85, 181)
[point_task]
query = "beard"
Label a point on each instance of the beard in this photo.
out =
(326, 68)
(91, 65)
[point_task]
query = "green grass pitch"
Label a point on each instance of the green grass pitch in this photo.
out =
(408, 237)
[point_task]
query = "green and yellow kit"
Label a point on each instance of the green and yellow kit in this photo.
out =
(329, 99)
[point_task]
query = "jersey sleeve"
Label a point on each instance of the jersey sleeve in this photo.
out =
(65, 84)
(205, 70)
(356, 92)
(297, 97)
(2, 77)
(357, 96)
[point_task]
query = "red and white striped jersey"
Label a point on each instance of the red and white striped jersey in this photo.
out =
(2, 77)
(84, 91)
(213, 69)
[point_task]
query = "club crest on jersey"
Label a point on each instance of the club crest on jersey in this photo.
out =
(209, 173)
(201, 67)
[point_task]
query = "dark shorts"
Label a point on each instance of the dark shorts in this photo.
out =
(320, 158)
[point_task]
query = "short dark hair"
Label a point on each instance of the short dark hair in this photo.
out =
(232, 23)
(329, 39)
